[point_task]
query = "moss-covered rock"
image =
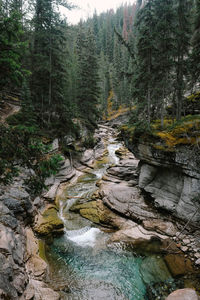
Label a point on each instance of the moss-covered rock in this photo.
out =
(96, 212)
(48, 222)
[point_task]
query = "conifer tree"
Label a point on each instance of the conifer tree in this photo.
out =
(49, 65)
(164, 41)
(88, 77)
(195, 56)
(182, 45)
(11, 47)
(143, 84)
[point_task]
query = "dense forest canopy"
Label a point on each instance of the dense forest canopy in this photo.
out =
(144, 55)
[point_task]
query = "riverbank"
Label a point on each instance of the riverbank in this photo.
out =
(115, 203)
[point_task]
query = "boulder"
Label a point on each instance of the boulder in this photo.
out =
(136, 235)
(126, 200)
(178, 264)
(88, 157)
(48, 222)
(98, 213)
(38, 290)
(161, 226)
(183, 294)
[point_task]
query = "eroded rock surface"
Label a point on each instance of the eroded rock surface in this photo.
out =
(183, 294)
(172, 178)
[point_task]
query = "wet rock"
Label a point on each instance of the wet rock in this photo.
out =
(183, 294)
(135, 234)
(48, 222)
(35, 265)
(98, 213)
(164, 227)
(126, 200)
(38, 290)
(154, 269)
(178, 264)
(123, 172)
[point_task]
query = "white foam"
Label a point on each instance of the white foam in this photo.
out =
(85, 239)
(111, 150)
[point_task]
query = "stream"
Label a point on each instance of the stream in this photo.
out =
(83, 265)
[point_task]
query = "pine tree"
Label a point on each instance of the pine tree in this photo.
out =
(49, 66)
(164, 41)
(195, 55)
(182, 46)
(143, 84)
(11, 47)
(88, 80)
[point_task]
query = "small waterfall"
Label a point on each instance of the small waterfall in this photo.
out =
(84, 237)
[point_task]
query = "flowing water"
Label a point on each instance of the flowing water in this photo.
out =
(84, 266)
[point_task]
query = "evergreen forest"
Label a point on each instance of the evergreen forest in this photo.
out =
(143, 58)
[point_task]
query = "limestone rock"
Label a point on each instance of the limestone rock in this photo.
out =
(154, 269)
(136, 235)
(126, 200)
(98, 213)
(147, 174)
(88, 157)
(164, 227)
(183, 294)
(48, 222)
(123, 172)
(38, 290)
(172, 178)
(35, 265)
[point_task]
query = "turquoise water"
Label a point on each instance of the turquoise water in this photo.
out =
(88, 262)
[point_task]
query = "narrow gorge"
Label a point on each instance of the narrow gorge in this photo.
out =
(95, 234)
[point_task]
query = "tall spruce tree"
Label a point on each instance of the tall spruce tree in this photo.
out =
(182, 46)
(88, 77)
(195, 55)
(49, 65)
(164, 41)
(11, 47)
(143, 84)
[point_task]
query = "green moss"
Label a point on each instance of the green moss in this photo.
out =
(42, 253)
(49, 222)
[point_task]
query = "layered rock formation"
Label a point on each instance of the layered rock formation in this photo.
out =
(172, 178)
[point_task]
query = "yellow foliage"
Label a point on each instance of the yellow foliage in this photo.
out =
(157, 124)
(187, 132)
(194, 97)
(110, 103)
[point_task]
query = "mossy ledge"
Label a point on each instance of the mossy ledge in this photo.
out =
(48, 223)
